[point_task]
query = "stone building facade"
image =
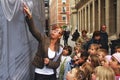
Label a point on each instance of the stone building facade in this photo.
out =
(73, 16)
(92, 14)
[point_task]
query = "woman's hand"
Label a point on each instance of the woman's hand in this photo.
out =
(27, 11)
(46, 61)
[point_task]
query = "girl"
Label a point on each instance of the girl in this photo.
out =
(75, 74)
(101, 53)
(47, 58)
(93, 49)
(115, 64)
(67, 50)
(103, 73)
(87, 69)
(93, 60)
(106, 61)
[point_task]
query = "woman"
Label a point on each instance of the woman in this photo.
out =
(47, 58)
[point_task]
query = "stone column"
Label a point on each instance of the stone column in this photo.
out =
(89, 18)
(93, 3)
(118, 17)
(80, 20)
(85, 18)
(107, 14)
(99, 14)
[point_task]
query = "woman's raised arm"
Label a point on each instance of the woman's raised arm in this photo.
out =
(35, 32)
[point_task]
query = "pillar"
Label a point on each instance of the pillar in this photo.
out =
(107, 14)
(118, 17)
(85, 18)
(99, 14)
(89, 18)
(93, 3)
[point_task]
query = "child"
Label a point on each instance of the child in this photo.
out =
(87, 69)
(82, 39)
(103, 73)
(76, 62)
(67, 50)
(93, 49)
(77, 51)
(117, 48)
(75, 74)
(96, 39)
(106, 61)
(115, 64)
(93, 60)
(72, 64)
(101, 53)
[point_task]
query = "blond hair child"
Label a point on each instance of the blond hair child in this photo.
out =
(87, 69)
(93, 60)
(75, 74)
(93, 49)
(103, 73)
(101, 53)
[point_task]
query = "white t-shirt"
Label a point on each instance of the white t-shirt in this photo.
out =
(45, 70)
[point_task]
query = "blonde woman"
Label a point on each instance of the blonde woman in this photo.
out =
(103, 73)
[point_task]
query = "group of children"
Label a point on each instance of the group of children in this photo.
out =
(93, 64)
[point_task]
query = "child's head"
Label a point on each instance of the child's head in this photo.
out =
(96, 35)
(83, 58)
(75, 74)
(87, 69)
(117, 49)
(84, 32)
(93, 60)
(106, 61)
(115, 63)
(67, 50)
(84, 55)
(101, 54)
(93, 48)
(103, 73)
(77, 49)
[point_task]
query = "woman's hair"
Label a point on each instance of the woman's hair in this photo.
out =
(104, 73)
(56, 27)
(58, 41)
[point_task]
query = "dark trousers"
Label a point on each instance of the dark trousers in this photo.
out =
(44, 77)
